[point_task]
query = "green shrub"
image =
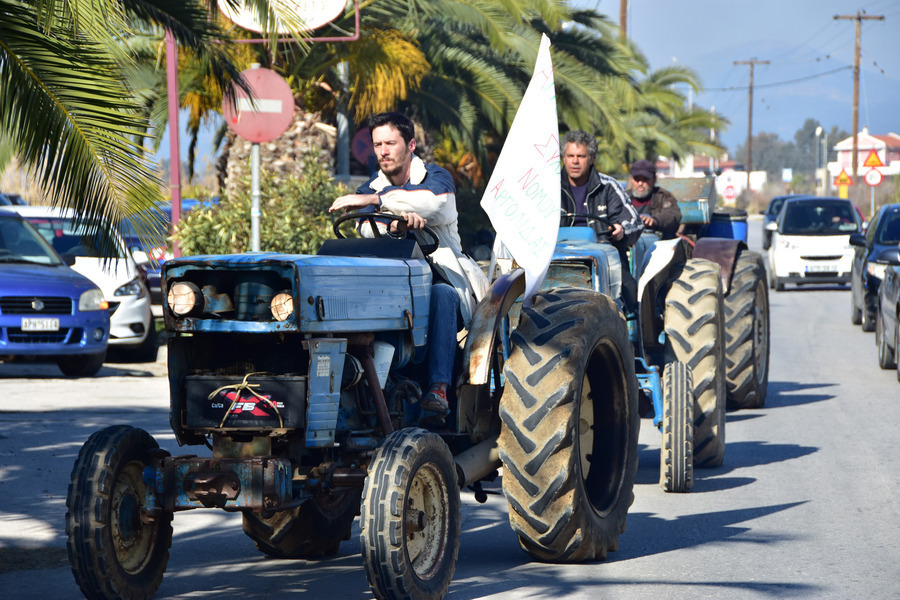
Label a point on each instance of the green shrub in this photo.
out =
(294, 216)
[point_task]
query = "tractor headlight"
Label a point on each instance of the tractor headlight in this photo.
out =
(184, 298)
(282, 306)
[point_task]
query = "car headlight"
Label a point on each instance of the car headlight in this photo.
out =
(876, 269)
(184, 298)
(92, 300)
(133, 288)
(282, 306)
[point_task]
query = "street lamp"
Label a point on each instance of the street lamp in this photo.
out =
(816, 169)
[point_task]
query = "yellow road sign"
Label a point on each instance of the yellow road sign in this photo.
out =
(843, 179)
(872, 160)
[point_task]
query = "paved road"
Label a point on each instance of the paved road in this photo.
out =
(806, 505)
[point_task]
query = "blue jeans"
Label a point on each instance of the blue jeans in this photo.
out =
(442, 320)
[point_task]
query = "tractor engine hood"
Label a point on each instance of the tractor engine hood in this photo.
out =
(279, 293)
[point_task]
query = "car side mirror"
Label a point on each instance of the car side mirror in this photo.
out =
(772, 226)
(890, 256)
(69, 259)
(858, 239)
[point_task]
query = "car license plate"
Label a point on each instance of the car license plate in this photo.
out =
(40, 324)
(822, 268)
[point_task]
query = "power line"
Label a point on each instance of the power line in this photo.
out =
(778, 83)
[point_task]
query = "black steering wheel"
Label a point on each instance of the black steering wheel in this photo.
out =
(428, 245)
(604, 235)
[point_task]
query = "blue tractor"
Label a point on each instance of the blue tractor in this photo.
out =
(701, 334)
(300, 378)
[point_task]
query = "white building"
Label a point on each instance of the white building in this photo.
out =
(886, 147)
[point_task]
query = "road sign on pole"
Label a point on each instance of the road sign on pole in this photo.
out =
(267, 114)
(843, 179)
(873, 177)
(873, 160)
(260, 118)
(312, 14)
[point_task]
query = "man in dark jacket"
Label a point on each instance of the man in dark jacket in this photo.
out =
(587, 192)
(657, 207)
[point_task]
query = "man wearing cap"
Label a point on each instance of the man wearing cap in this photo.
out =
(657, 207)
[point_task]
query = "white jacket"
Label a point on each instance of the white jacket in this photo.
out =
(431, 194)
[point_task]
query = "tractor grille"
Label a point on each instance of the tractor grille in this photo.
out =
(25, 305)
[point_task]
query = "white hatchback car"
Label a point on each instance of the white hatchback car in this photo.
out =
(811, 241)
(116, 274)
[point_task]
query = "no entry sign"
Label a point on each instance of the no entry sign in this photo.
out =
(265, 116)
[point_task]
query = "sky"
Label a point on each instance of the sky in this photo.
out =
(802, 42)
(810, 56)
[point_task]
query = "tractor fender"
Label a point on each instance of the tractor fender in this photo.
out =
(662, 261)
(485, 326)
(724, 252)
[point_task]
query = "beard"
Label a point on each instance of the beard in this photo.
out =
(642, 195)
(392, 169)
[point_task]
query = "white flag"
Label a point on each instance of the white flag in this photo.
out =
(522, 197)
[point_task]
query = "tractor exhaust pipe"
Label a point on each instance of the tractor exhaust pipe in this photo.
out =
(478, 461)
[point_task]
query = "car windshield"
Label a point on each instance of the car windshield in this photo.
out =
(775, 206)
(889, 231)
(67, 237)
(818, 217)
(19, 242)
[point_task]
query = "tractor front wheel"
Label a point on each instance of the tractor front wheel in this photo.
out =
(676, 461)
(115, 550)
(410, 522)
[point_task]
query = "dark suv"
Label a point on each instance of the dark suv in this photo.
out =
(874, 252)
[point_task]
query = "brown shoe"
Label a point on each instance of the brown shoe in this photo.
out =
(436, 401)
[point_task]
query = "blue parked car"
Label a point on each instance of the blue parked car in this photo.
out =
(47, 309)
(874, 252)
(887, 320)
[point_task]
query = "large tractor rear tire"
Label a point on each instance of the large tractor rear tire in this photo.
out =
(410, 523)
(676, 460)
(311, 530)
(569, 434)
(747, 334)
(695, 335)
(114, 551)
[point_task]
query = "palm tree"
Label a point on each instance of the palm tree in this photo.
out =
(461, 68)
(67, 111)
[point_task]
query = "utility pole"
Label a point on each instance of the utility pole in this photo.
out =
(752, 62)
(858, 17)
(623, 19)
